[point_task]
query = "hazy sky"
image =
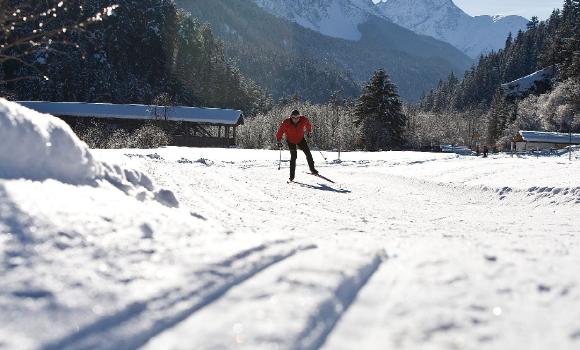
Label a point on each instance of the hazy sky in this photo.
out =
(527, 8)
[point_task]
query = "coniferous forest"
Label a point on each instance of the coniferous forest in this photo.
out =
(152, 52)
(144, 51)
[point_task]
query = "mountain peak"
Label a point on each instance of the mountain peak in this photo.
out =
(430, 3)
(443, 20)
(334, 18)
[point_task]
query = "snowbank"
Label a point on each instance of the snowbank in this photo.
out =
(35, 146)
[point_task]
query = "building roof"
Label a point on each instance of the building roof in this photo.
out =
(142, 112)
(549, 137)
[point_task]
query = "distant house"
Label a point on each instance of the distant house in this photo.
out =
(535, 83)
(200, 127)
(539, 140)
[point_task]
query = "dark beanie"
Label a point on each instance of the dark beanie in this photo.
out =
(295, 112)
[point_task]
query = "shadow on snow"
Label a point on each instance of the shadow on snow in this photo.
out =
(321, 187)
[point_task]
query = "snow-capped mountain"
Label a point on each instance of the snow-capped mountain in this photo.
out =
(440, 19)
(298, 59)
(334, 18)
(443, 20)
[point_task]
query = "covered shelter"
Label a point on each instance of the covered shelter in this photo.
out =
(188, 126)
(541, 140)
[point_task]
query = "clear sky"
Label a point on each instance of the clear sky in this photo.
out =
(527, 8)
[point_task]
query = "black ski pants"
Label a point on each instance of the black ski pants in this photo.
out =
(294, 154)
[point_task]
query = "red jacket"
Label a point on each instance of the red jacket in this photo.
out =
(294, 132)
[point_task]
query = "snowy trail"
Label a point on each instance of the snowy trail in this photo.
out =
(469, 266)
(407, 250)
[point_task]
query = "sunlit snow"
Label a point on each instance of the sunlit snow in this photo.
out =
(190, 248)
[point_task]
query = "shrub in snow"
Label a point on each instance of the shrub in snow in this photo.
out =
(101, 135)
(529, 117)
(38, 146)
(117, 139)
(451, 127)
(561, 107)
(95, 134)
(149, 136)
(332, 123)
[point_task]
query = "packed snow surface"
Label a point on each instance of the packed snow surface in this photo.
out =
(405, 251)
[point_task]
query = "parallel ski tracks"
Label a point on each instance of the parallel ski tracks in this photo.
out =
(134, 325)
(314, 290)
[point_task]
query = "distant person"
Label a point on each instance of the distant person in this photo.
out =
(293, 127)
(485, 151)
(477, 151)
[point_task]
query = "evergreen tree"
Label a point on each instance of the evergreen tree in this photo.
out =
(509, 41)
(500, 114)
(379, 114)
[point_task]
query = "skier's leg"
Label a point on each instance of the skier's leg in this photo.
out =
(293, 156)
(306, 150)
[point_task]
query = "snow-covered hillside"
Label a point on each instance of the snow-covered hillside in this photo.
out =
(443, 20)
(407, 250)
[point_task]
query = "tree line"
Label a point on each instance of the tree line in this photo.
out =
(374, 121)
(150, 52)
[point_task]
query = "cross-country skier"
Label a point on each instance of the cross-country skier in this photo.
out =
(293, 127)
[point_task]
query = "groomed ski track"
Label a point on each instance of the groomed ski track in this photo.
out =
(386, 259)
(405, 251)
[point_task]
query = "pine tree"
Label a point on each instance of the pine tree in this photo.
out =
(379, 114)
(499, 115)
(509, 41)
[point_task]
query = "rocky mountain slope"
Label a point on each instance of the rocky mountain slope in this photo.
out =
(274, 49)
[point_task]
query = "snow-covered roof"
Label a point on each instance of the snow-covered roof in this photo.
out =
(135, 111)
(530, 83)
(549, 137)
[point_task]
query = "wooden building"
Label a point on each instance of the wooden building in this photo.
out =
(540, 140)
(187, 126)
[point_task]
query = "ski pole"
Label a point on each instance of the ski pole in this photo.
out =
(322, 155)
(318, 149)
(280, 161)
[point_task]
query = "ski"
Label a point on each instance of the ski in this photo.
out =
(322, 177)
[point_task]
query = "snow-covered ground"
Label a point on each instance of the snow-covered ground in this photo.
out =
(185, 248)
